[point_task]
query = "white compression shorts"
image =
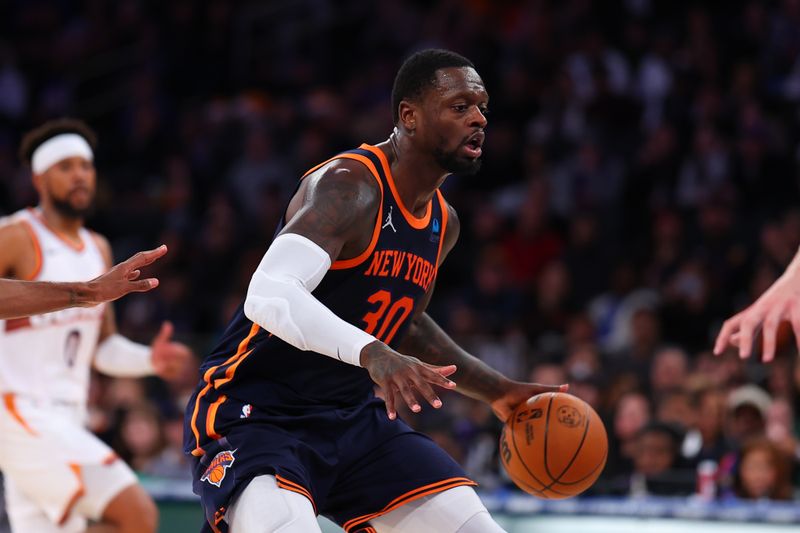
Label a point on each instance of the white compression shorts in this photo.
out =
(263, 507)
(279, 300)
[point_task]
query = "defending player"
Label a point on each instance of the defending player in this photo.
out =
(20, 298)
(57, 473)
(284, 423)
(778, 303)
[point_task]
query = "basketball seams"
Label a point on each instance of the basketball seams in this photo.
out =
(577, 450)
(545, 486)
(600, 464)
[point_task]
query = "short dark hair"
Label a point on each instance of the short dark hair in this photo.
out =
(34, 138)
(418, 73)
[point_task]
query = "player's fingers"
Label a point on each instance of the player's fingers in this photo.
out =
(407, 393)
(551, 388)
(145, 285)
(133, 274)
(166, 331)
(724, 335)
(427, 391)
(437, 375)
(389, 399)
(769, 333)
(794, 319)
(734, 340)
(746, 331)
(141, 259)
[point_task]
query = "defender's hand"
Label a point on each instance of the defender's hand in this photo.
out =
(170, 359)
(399, 374)
(780, 302)
(519, 392)
(123, 278)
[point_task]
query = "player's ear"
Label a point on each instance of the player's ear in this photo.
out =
(407, 116)
(38, 182)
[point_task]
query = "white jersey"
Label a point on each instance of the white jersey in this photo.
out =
(48, 357)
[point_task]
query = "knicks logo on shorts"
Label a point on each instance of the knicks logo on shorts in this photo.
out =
(215, 472)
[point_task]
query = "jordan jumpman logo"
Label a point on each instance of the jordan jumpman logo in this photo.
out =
(389, 221)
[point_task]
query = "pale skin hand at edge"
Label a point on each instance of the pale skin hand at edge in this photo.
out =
(24, 298)
(778, 303)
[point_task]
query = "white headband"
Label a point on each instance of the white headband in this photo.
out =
(57, 148)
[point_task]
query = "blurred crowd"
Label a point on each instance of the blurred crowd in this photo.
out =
(640, 185)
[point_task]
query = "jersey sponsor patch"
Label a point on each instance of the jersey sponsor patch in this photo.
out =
(215, 472)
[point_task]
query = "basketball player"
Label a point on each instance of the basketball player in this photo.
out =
(284, 423)
(58, 475)
(778, 303)
(20, 298)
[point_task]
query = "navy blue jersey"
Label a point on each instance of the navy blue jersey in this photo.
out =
(377, 291)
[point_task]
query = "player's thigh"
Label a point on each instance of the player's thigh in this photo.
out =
(456, 510)
(103, 483)
(26, 515)
(58, 465)
(263, 507)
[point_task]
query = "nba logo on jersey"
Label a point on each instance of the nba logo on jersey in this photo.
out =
(435, 232)
(215, 472)
(246, 410)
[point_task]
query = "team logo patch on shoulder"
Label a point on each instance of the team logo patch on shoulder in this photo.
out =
(435, 231)
(215, 472)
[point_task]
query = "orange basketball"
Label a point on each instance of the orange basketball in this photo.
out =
(554, 446)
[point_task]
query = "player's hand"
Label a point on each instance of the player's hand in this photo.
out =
(123, 278)
(170, 359)
(401, 377)
(780, 302)
(519, 392)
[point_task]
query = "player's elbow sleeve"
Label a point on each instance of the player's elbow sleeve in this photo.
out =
(274, 312)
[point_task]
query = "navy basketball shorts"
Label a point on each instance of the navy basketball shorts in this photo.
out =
(353, 464)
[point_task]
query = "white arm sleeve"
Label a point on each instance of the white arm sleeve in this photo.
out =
(279, 300)
(123, 358)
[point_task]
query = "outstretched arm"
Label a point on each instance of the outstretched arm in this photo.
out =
(24, 298)
(428, 342)
(778, 303)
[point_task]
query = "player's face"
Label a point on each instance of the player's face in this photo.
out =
(454, 119)
(69, 185)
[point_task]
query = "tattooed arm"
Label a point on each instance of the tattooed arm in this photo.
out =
(427, 341)
(335, 209)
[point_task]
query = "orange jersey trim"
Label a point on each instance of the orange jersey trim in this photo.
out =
(80, 491)
(295, 487)
(11, 407)
(410, 496)
(37, 250)
(445, 216)
(414, 222)
(207, 377)
(363, 256)
(212, 415)
(78, 247)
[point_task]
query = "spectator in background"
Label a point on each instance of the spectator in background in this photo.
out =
(140, 438)
(657, 465)
(763, 472)
(632, 413)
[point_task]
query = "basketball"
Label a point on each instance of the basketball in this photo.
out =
(554, 446)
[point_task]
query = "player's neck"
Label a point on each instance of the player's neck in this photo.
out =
(65, 225)
(416, 176)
